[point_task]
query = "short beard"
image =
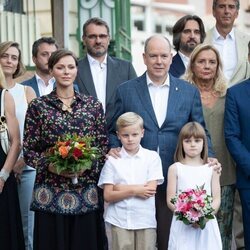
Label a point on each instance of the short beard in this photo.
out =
(97, 54)
(94, 53)
(44, 71)
(186, 48)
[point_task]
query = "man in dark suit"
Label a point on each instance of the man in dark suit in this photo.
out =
(237, 135)
(188, 32)
(165, 103)
(42, 82)
(98, 73)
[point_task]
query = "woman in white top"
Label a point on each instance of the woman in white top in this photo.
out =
(12, 66)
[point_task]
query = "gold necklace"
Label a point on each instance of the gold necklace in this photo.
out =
(66, 107)
(207, 96)
(65, 97)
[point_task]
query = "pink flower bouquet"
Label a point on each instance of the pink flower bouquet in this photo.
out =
(73, 154)
(193, 206)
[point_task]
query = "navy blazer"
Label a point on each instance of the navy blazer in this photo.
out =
(237, 130)
(118, 71)
(184, 105)
(177, 68)
(33, 83)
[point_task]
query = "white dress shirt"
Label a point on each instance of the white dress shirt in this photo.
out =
(184, 59)
(42, 87)
(159, 98)
(228, 51)
(99, 75)
(132, 213)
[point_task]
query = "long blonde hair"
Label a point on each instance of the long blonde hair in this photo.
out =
(220, 82)
(2, 79)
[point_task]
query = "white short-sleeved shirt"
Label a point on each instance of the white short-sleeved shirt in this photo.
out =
(132, 213)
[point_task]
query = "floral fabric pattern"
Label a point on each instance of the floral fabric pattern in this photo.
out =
(45, 122)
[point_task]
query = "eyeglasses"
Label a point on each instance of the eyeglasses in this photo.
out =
(94, 37)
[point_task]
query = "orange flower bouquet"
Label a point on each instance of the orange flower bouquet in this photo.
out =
(73, 154)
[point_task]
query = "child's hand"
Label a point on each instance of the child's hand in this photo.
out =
(115, 152)
(214, 163)
(145, 191)
(195, 225)
(19, 165)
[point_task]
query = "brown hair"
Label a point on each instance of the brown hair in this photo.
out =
(57, 55)
(37, 43)
(94, 20)
(180, 26)
(188, 130)
(20, 66)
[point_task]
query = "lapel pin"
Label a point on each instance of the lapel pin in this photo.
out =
(176, 88)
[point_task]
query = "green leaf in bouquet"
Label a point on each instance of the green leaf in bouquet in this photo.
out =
(173, 200)
(73, 153)
(210, 216)
(202, 222)
(185, 221)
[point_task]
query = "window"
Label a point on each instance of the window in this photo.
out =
(15, 6)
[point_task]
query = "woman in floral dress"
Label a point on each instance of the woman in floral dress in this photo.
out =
(67, 215)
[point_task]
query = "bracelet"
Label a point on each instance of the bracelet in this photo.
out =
(4, 174)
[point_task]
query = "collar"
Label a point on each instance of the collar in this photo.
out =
(39, 79)
(184, 58)
(93, 61)
(139, 154)
(150, 82)
(217, 35)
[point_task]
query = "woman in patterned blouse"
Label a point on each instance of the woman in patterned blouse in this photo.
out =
(67, 215)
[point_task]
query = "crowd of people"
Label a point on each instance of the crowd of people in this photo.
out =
(182, 124)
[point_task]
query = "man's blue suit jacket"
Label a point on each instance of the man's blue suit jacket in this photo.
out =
(237, 130)
(184, 105)
(33, 83)
(177, 68)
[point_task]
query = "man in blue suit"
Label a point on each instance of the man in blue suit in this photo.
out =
(42, 82)
(237, 135)
(165, 103)
(188, 32)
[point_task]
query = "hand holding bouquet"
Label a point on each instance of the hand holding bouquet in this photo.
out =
(193, 206)
(73, 155)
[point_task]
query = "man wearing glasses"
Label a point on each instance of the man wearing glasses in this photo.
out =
(98, 73)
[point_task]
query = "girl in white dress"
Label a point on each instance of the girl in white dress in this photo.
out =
(191, 171)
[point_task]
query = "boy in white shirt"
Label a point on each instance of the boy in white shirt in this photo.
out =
(129, 184)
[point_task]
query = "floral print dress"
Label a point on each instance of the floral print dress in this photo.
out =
(45, 123)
